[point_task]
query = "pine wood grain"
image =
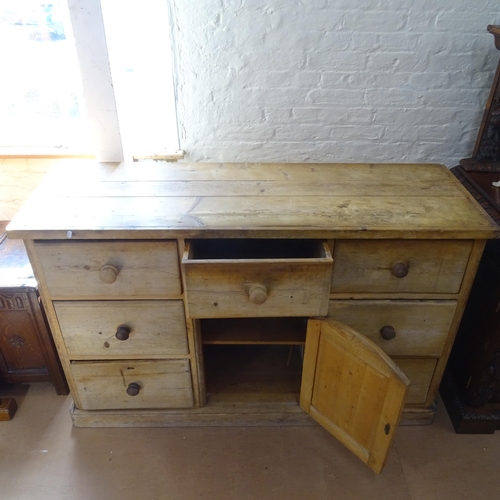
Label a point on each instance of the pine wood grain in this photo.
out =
(218, 288)
(420, 372)
(433, 266)
(324, 200)
(354, 391)
(421, 327)
(372, 217)
(163, 384)
(157, 328)
(145, 268)
(271, 331)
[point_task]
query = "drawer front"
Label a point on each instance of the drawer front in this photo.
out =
(257, 289)
(123, 328)
(420, 373)
(399, 327)
(399, 266)
(257, 278)
(110, 269)
(160, 384)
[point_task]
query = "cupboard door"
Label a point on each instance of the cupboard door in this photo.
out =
(353, 389)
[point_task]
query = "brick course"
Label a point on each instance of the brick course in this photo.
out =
(332, 80)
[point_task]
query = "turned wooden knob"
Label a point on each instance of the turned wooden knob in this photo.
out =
(122, 332)
(133, 389)
(400, 269)
(108, 274)
(257, 294)
(387, 332)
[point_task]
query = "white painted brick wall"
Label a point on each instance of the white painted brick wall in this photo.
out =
(332, 80)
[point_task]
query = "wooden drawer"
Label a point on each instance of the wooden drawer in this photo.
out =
(161, 384)
(257, 278)
(423, 266)
(123, 328)
(110, 269)
(420, 373)
(420, 327)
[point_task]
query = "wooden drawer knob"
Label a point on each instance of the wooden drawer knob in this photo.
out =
(122, 332)
(400, 269)
(257, 294)
(108, 274)
(133, 389)
(387, 332)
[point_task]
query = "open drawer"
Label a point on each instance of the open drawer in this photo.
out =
(234, 278)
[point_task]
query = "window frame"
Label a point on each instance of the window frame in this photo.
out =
(87, 24)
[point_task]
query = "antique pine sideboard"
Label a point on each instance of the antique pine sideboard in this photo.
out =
(180, 294)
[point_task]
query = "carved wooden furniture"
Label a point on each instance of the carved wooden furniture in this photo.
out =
(180, 294)
(471, 385)
(27, 351)
(486, 154)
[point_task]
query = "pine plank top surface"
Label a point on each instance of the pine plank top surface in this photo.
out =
(148, 199)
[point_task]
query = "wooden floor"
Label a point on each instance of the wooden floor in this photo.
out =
(44, 457)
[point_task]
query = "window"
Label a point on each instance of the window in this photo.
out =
(138, 42)
(41, 102)
(113, 95)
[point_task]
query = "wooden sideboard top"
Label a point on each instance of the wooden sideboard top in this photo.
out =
(143, 200)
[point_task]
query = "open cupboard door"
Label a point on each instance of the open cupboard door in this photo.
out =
(353, 389)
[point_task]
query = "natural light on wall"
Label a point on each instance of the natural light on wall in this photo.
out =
(43, 103)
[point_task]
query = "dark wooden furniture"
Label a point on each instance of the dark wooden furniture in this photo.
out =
(27, 351)
(471, 385)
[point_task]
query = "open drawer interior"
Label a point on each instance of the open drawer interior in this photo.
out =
(250, 249)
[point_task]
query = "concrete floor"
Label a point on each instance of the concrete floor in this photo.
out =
(42, 456)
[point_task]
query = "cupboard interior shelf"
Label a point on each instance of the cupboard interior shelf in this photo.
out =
(258, 373)
(262, 331)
